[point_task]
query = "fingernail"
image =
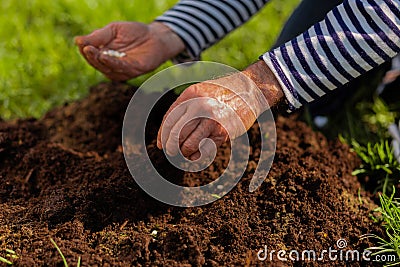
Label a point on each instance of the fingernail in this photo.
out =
(90, 51)
(79, 40)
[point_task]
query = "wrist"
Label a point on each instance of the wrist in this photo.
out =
(266, 81)
(169, 41)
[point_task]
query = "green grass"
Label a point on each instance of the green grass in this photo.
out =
(40, 67)
(10, 254)
(364, 125)
(3, 260)
(379, 163)
(389, 215)
(62, 255)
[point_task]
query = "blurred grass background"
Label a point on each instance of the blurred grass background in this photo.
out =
(40, 67)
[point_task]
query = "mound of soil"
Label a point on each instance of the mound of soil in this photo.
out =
(64, 177)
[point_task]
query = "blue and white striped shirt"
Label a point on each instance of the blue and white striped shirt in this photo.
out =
(354, 37)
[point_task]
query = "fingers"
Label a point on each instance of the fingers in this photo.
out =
(120, 67)
(179, 133)
(206, 149)
(174, 113)
(209, 145)
(92, 56)
(187, 130)
(187, 136)
(117, 77)
(217, 137)
(195, 156)
(90, 46)
(98, 38)
(191, 145)
(113, 68)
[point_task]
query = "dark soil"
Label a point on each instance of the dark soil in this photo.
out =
(64, 177)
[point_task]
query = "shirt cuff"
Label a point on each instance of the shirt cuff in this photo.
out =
(192, 52)
(290, 92)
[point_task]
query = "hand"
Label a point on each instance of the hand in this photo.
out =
(215, 108)
(146, 47)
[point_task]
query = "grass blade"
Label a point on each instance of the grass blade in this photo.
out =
(5, 261)
(59, 251)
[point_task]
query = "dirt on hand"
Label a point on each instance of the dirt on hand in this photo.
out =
(64, 177)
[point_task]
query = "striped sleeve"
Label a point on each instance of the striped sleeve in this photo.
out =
(352, 39)
(201, 23)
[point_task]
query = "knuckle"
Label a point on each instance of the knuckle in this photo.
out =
(171, 145)
(192, 90)
(175, 108)
(174, 135)
(208, 108)
(168, 122)
(113, 25)
(188, 148)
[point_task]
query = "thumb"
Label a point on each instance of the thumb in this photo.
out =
(98, 38)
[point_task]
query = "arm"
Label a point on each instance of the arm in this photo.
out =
(353, 38)
(145, 47)
(201, 23)
(218, 109)
(191, 26)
